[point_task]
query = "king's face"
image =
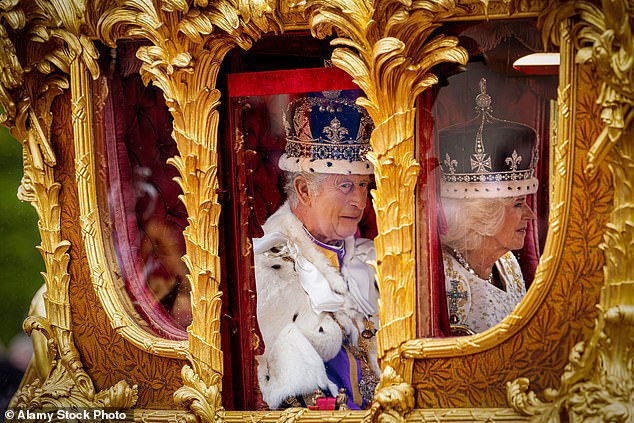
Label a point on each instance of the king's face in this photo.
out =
(337, 206)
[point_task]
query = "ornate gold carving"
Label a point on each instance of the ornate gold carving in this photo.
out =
(393, 399)
(293, 11)
(604, 38)
(188, 45)
(67, 385)
(205, 402)
(598, 380)
(501, 8)
(301, 415)
(18, 103)
(26, 96)
(86, 181)
(597, 383)
(388, 53)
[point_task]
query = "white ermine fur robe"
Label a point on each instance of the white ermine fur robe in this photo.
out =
(297, 290)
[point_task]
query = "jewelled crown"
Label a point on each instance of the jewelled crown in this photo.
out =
(487, 157)
(329, 134)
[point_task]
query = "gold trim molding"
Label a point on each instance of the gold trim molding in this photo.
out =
(598, 381)
(27, 95)
(388, 53)
(388, 48)
(294, 12)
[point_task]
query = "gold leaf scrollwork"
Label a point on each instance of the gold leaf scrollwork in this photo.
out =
(204, 401)
(603, 36)
(66, 384)
(393, 399)
(26, 95)
(389, 51)
(188, 43)
(598, 382)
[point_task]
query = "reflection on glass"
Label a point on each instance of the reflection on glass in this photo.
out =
(317, 303)
(491, 127)
(488, 168)
(147, 216)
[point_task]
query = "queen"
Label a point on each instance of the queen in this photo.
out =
(488, 167)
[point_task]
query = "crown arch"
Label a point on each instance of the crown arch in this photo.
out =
(392, 51)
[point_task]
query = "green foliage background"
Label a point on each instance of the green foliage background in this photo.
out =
(20, 262)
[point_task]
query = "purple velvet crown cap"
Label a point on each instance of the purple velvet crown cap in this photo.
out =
(487, 157)
(327, 134)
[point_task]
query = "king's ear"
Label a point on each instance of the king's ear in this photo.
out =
(302, 189)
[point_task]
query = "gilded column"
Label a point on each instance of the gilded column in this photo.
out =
(188, 43)
(598, 382)
(27, 93)
(387, 48)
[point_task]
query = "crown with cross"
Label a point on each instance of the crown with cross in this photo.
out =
(487, 157)
(327, 133)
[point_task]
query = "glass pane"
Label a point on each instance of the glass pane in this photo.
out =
(146, 214)
(490, 126)
(296, 261)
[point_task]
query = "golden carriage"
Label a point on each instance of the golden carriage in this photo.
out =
(571, 336)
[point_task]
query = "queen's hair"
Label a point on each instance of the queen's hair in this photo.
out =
(470, 221)
(313, 179)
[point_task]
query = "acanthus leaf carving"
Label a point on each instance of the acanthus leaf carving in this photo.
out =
(386, 47)
(27, 97)
(205, 401)
(603, 37)
(188, 43)
(393, 399)
(597, 383)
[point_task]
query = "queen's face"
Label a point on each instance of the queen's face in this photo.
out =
(512, 232)
(337, 207)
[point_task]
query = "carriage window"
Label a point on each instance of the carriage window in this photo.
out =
(488, 126)
(146, 216)
(307, 214)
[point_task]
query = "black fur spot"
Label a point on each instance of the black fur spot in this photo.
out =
(295, 317)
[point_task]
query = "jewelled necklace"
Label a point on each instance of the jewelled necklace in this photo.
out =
(468, 268)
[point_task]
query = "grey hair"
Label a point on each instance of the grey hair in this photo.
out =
(470, 221)
(313, 180)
